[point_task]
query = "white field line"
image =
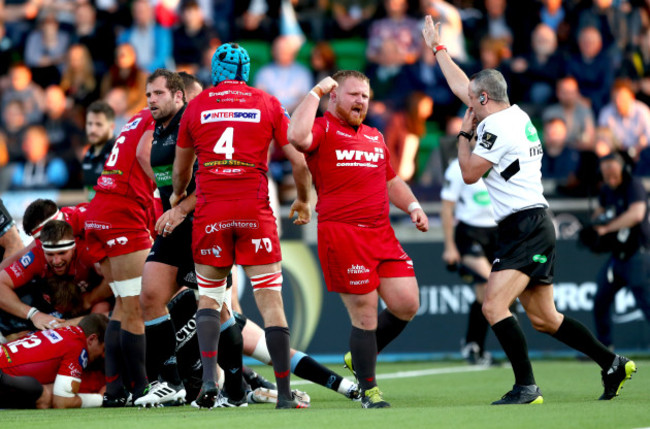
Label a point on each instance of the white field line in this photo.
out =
(418, 373)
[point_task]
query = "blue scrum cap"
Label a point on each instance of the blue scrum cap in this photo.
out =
(230, 62)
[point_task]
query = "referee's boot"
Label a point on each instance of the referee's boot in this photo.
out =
(615, 376)
(521, 394)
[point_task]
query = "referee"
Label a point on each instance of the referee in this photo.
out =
(508, 155)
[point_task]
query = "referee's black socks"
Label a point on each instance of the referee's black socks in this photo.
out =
(513, 342)
(576, 335)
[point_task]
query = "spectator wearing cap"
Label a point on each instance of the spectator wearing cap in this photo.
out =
(627, 118)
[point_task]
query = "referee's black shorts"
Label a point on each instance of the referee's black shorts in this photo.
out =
(527, 244)
(476, 241)
(176, 250)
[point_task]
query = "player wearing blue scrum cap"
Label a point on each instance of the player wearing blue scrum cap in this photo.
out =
(230, 127)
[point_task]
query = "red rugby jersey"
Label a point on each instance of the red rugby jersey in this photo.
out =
(230, 127)
(350, 170)
(122, 174)
(33, 264)
(44, 354)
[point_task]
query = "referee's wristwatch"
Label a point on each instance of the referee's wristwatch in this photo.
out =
(467, 135)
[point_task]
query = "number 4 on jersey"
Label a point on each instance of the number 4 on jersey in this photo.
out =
(224, 144)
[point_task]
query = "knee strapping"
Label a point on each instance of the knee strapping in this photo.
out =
(269, 281)
(130, 287)
(212, 288)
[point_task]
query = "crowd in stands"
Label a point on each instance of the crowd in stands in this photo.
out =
(580, 68)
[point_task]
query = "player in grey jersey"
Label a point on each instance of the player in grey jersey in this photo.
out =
(508, 155)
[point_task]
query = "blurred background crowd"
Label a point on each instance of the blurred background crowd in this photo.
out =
(580, 68)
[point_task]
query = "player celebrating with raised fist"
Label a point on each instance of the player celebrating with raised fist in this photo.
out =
(359, 253)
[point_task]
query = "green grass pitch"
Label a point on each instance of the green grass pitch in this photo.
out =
(422, 394)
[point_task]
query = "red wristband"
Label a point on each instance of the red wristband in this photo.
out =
(439, 48)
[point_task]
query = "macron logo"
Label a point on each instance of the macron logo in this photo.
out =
(360, 155)
(341, 133)
(230, 115)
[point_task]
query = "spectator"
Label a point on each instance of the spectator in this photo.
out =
(152, 42)
(592, 68)
(78, 81)
(494, 24)
(399, 29)
(560, 161)
(24, 89)
(619, 24)
(45, 50)
(14, 124)
(403, 134)
(117, 98)
(627, 118)
(99, 38)
(451, 26)
(66, 139)
(39, 170)
(537, 72)
(126, 73)
(285, 78)
(351, 18)
(577, 115)
(192, 36)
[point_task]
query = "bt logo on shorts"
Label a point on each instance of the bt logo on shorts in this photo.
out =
(216, 251)
(119, 240)
(258, 242)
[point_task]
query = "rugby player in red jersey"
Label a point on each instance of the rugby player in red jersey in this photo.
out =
(44, 369)
(55, 254)
(358, 251)
(117, 223)
(229, 127)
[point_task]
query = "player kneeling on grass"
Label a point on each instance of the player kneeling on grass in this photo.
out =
(44, 369)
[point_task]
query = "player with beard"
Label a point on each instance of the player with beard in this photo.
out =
(100, 132)
(55, 254)
(230, 127)
(358, 251)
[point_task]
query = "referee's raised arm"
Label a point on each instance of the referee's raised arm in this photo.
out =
(456, 78)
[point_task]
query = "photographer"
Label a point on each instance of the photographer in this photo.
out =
(623, 225)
